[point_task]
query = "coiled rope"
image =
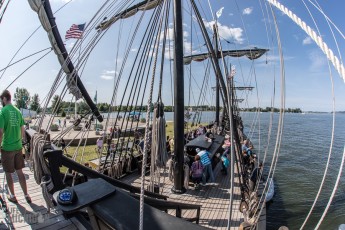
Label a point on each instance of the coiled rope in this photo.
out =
(38, 163)
(40, 168)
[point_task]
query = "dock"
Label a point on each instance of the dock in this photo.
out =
(73, 136)
(35, 215)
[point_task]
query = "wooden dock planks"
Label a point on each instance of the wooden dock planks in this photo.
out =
(34, 215)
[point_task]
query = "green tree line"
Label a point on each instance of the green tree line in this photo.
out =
(23, 99)
(270, 109)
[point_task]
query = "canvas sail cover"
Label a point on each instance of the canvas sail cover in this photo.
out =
(64, 60)
(249, 53)
(142, 6)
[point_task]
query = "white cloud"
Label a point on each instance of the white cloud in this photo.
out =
(318, 60)
(307, 41)
(247, 11)
(187, 46)
(107, 77)
(169, 54)
(108, 74)
(227, 32)
(170, 34)
(277, 58)
(231, 14)
(264, 60)
(134, 50)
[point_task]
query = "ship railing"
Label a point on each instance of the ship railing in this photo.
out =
(171, 205)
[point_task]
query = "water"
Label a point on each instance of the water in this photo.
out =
(303, 156)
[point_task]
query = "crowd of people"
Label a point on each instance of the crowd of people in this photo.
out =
(200, 167)
(201, 170)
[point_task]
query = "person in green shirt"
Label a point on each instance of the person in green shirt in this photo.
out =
(12, 133)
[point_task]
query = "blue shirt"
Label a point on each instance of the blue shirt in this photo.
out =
(245, 148)
(205, 160)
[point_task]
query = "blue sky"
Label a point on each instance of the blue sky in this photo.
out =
(307, 77)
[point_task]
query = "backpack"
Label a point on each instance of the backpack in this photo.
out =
(199, 170)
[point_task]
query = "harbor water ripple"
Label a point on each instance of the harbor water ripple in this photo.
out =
(304, 151)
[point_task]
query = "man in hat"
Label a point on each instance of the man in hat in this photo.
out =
(206, 162)
(12, 133)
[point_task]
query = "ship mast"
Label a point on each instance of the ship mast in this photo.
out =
(217, 82)
(178, 99)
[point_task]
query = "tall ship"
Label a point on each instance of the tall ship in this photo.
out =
(122, 150)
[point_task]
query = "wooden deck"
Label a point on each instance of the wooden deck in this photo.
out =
(213, 198)
(34, 215)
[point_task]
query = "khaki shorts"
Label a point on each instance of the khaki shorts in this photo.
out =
(12, 160)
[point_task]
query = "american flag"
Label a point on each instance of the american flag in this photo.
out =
(76, 31)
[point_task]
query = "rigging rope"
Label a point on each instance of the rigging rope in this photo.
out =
(9, 63)
(334, 190)
(146, 141)
(22, 59)
(318, 40)
(3, 12)
(280, 123)
(28, 68)
(332, 138)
